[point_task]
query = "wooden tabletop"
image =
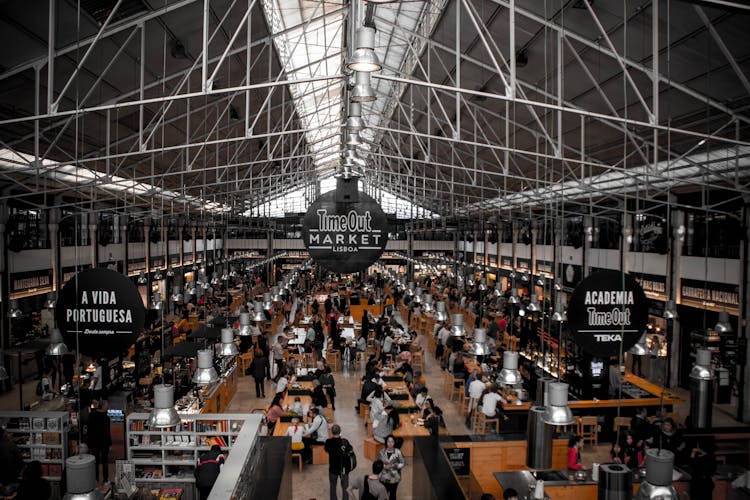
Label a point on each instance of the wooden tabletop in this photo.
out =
(408, 429)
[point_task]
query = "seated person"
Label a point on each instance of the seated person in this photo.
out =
(315, 432)
(296, 431)
(490, 401)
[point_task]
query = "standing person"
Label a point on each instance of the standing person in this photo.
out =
(209, 466)
(277, 351)
(33, 486)
(329, 385)
(68, 368)
(10, 460)
(393, 462)
(653, 365)
(336, 467)
(100, 438)
(97, 380)
(258, 370)
(369, 484)
(702, 469)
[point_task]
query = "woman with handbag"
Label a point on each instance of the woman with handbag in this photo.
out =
(393, 463)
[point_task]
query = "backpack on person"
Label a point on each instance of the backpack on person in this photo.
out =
(366, 495)
(348, 457)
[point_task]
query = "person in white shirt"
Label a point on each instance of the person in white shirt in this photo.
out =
(96, 382)
(315, 432)
(476, 388)
(283, 381)
(422, 397)
(490, 401)
(296, 431)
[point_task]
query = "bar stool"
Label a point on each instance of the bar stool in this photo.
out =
(245, 360)
(308, 360)
(483, 423)
(456, 390)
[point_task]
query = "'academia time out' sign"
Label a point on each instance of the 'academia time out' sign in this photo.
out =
(345, 230)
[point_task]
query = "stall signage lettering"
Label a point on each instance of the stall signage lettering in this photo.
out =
(460, 460)
(709, 294)
(606, 309)
(23, 282)
(101, 311)
(506, 261)
(345, 236)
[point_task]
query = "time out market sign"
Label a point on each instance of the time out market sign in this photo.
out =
(606, 309)
(101, 311)
(345, 230)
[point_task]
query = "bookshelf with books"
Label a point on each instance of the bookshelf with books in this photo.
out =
(165, 457)
(41, 436)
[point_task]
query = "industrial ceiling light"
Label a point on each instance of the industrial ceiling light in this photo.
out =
(51, 301)
(56, 345)
(483, 285)
(156, 303)
(557, 411)
(228, 347)
(498, 289)
(142, 280)
(13, 311)
(457, 326)
(640, 348)
(658, 483)
(245, 322)
(440, 313)
(364, 58)
(353, 140)
(170, 272)
(258, 312)
(669, 310)
(427, 303)
(205, 374)
(362, 91)
(540, 281)
(215, 278)
(354, 122)
(513, 299)
(164, 415)
(267, 302)
(723, 325)
(480, 347)
(177, 294)
(533, 304)
(157, 275)
(509, 375)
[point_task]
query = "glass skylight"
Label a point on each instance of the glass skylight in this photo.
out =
(308, 36)
(296, 202)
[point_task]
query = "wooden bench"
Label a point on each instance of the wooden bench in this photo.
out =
(319, 455)
(372, 448)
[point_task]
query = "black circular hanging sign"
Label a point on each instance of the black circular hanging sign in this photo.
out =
(345, 230)
(103, 310)
(606, 308)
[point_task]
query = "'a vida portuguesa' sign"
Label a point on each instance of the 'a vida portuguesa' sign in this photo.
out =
(100, 311)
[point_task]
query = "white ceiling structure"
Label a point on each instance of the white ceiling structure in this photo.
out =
(225, 107)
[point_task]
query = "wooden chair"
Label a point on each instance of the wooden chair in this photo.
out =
(308, 360)
(588, 429)
(417, 360)
(334, 360)
(245, 360)
(298, 456)
(456, 390)
(482, 423)
(621, 422)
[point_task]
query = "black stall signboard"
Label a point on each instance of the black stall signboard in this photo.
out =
(605, 309)
(102, 310)
(460, 460)
(31, 281)
(345, 230)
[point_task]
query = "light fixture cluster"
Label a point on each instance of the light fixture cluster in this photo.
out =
(362, 63)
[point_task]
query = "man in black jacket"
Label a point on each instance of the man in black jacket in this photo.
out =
(99, 438)
(318, 395)
(209, 466)
(335, 466)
